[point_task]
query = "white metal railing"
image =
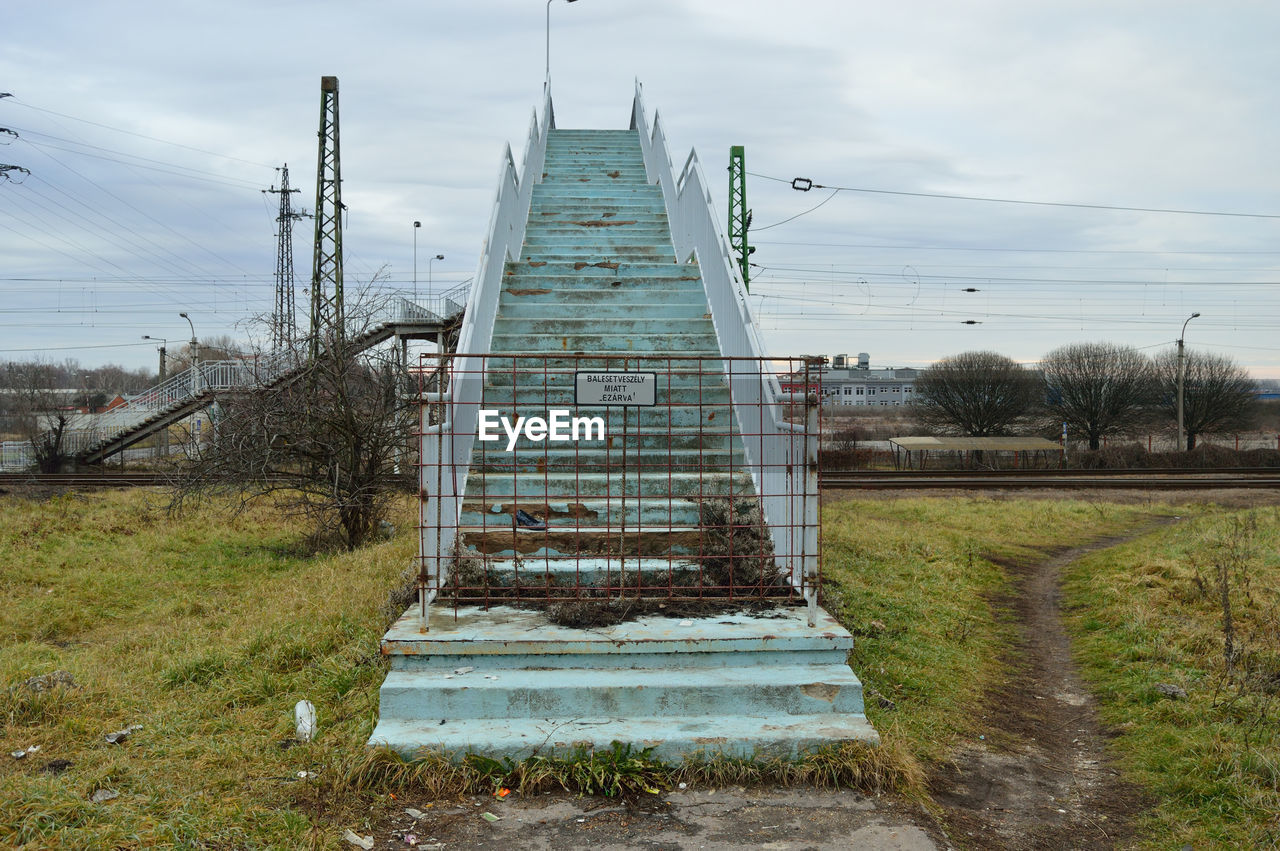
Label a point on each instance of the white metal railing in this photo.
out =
(448, 444)
(401, 308)
(789, 507)
(87, 432)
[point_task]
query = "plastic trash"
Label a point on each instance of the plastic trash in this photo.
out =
(365, 842)
(103, 795)
(468, 669)
(304, 714)
(490, 817)
(415, 814)
(120, 736)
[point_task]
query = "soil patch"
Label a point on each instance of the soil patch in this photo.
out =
(1040, 778)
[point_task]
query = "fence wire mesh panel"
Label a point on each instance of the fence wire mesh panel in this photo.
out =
(562, 477)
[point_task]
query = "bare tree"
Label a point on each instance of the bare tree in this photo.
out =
(980, 394)
(1098, 389)
(1218, 394)
(324, 441)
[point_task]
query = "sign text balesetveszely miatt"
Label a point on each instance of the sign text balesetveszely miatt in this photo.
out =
(632, 389)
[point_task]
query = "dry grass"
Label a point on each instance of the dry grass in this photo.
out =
(1152, 613)
(206, 631)
(203, 630)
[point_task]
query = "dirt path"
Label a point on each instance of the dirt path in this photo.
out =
(1040, 778)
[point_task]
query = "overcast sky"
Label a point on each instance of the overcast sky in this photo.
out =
(151, 128)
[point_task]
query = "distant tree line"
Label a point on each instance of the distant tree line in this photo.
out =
(1099, 390)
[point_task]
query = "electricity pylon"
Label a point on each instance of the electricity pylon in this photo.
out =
(284, 322)
(327, 317)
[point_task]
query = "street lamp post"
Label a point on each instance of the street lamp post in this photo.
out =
(429, 262)
(164, 364)
(162, 442)
(195, 355)
(416, 225)
(1182, 435)
(195, 344)
(548, 76)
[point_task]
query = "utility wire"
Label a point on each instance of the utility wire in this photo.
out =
(20, 102)
(804, 184)
(798, 215)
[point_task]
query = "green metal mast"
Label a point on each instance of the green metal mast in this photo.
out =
(739, 215)
(326, 261)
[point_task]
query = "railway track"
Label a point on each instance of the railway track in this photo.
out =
(85, 480)
(1203, 479)
(1206, 479)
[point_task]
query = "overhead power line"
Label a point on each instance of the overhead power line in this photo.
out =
(20, 102)
(804, 184)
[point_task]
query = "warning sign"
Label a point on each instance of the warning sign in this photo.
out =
(638, 389)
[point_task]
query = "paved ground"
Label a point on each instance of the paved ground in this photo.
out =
(720, 819)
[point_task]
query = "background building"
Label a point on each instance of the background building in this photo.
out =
(849, 381)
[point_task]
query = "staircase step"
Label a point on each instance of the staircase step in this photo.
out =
(669, 739)
(596, 459)
(602, 269)
(587, 511)
(577, 540)
(628, 325)
(665, 692)
(558, 486)
(600, 254)
(623, 300)
(595, 344)
(470, 633)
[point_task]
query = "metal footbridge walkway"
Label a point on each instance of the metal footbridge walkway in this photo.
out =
(91, 439)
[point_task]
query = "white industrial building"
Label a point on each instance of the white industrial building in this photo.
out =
(846, 381)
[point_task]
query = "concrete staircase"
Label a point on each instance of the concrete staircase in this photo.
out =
(598, 277)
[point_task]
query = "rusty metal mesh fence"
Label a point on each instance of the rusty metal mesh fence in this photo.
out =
(559, 477)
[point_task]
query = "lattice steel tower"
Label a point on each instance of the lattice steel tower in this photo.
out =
(327, 318)
(284, 321)
(739, 215)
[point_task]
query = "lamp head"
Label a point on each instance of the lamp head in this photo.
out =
(439, 256)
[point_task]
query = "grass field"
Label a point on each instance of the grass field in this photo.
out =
(205, 630)
(1151, 613)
